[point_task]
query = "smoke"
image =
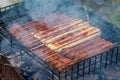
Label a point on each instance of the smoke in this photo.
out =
(41, 8)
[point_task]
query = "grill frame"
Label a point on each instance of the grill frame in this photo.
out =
(52, 74)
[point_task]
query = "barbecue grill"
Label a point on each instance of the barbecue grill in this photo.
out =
(72, 71)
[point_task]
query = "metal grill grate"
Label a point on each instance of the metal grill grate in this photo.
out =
(77, 70)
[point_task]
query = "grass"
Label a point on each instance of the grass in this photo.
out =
(115, 18)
